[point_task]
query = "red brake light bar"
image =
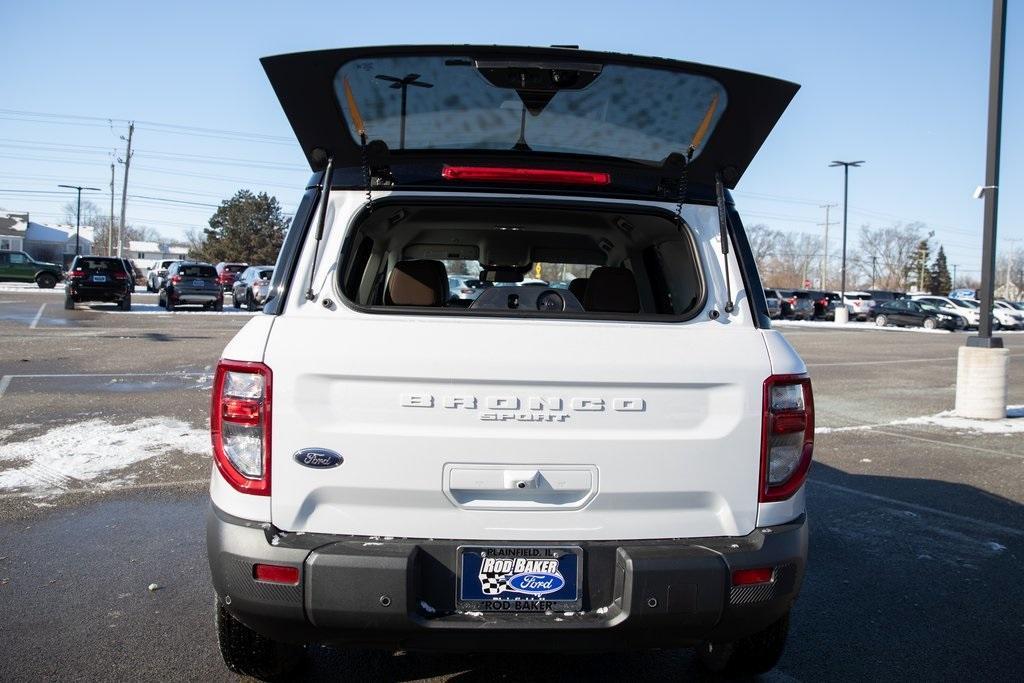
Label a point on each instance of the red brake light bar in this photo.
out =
(525, 175)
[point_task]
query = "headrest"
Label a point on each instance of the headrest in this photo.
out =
(578, 288)
(612, 290)
(417, 283)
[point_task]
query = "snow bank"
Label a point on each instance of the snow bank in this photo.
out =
(27, 287)
(66, 456)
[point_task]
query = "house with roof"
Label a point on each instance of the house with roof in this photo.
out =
(146, 254)
(51, 243)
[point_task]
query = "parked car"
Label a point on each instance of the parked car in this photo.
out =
(961, 307)
(1006, 317)
(17, 266)
(860, 305)
(252, 287)
(819, 303)
(910, 313)
(787, 299)
(157, 274)
(466, 286)
(191, 283)
(441, 476)
(774, 301)
(227, 273)
(880, 295)
(134, 272)
(99, 278)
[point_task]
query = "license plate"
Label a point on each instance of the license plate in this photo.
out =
(519, 578)
(99, 278)
(198, 283)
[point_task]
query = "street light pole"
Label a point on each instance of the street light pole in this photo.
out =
(990, 191)
(846, 195)
(78, 211)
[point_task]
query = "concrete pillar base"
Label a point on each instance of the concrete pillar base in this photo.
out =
(981, 376)
(842, 315)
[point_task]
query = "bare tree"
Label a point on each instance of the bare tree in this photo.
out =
(796, 258)
(763, 242)
(90, 212)
(894, 249)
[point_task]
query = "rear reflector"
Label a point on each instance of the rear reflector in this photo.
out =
(525, 175)
(275, 573)
(746, 577)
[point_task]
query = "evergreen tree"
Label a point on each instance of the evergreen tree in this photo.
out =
(939, 280)
(248, 228)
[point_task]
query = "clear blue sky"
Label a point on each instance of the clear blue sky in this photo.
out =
(901, 84)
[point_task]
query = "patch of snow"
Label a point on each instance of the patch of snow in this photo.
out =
(996, 547)
(85, 451)
(473, 614)
(26, 287)
(153, 309)
(602, 610)
(947, 420)
(865, 459)
(427, 608)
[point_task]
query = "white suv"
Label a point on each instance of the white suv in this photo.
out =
(616, 466)
(969, 310)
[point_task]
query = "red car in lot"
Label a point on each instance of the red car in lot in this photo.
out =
(228, 272)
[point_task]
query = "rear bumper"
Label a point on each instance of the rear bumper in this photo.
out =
(196, 297)
(400, 593)
(96, 293)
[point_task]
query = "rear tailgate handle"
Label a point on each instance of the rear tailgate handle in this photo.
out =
(500, 487)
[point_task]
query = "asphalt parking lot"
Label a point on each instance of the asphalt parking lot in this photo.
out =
(917, 519)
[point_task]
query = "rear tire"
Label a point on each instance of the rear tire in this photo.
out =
(46, 281)
(219, 306)
(248, 653)
(168, 304)
(881, 320)
(929, 323)
(69, 303)
(250, 305)
(234, 301)
(755, 654)
(126, 303)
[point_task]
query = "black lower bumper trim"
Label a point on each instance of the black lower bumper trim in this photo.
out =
(400, 593)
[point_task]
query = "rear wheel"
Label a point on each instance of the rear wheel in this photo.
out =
(755, 654)
(219, 306)
(126, 303)
(249, 303)
(881, 320)
(248, 653)
(168, 304)
(46, 281)
(234, 301)
(69, 303)
(929, 323)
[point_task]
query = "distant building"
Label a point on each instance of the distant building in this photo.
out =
(146, 254)
(52, 243)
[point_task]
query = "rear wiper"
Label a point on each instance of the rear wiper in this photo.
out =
(723, 229)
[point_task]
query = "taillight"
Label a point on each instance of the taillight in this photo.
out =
(76, 273)
(240, 425)
(787, 436)
(119, 275)
(175, 279)
(525, 175)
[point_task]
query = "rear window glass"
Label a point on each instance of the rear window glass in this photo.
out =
(230, 268)
(523, 260)
(98, 265)
(266, 274)
(197, 271)
(631, 112)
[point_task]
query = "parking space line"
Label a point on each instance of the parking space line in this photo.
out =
(35, 320)
(991, 526)
(113, 374)
(4, 382)
(947, 444)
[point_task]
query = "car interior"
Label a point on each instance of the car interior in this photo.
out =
(633, 264)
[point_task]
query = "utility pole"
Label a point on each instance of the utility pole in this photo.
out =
(824, 256)
(124, 188)
(110, 226)
(955, 266)
(78, 212)
(874, 262)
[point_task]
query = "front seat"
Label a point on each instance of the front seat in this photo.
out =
(421, 282)
(612, 290)
(578, 288)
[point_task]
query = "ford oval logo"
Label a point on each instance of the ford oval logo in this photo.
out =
(318, 458)
(536, 583)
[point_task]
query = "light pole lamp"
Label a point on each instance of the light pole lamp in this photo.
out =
(846, 194)
(403, 85)
(78, 211)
